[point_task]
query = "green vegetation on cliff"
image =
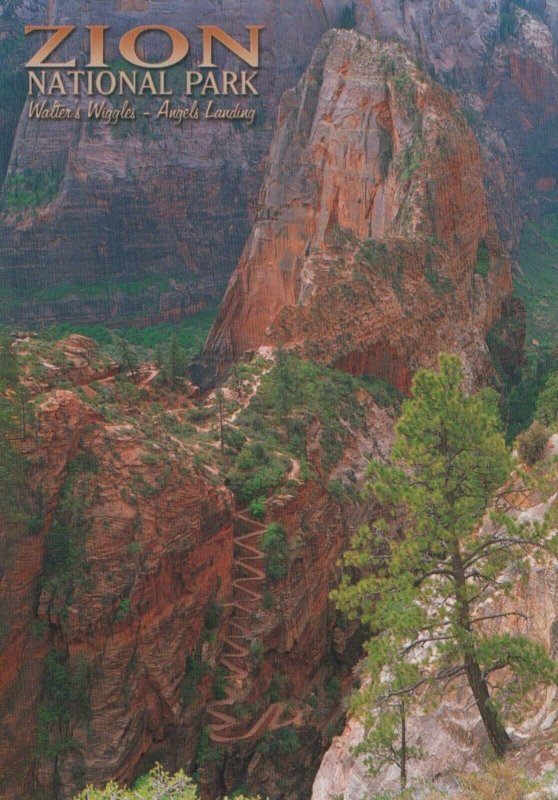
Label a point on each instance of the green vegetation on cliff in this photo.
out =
(537, 282)
(294, 396)
(190, 333)
(30, 190)
(158, 785)
(426, 569)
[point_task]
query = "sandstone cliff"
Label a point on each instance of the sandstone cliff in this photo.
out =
(374, 248)
(165, 183)
(135, 600)
(499, 58)
(130, 207)
(108, 594)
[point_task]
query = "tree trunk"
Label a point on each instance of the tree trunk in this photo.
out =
(494, 727)
(403, 748)
(499, 739)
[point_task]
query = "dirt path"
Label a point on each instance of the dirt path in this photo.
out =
(248, 591)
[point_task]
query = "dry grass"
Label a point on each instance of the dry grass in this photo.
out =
(498, 782)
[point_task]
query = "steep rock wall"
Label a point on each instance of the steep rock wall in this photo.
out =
(372, 227)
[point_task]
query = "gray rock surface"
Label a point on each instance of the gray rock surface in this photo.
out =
(174, 203)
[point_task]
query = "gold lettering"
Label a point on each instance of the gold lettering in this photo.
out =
(211, 33)
(97, 45)
(180, 46)
(40, 83)
(61, 33)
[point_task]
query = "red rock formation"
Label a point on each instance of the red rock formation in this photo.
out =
(368, 148)
(109, 591)
(157, 550)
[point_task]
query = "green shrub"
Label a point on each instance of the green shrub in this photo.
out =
(439, 283)
(281, 742)
(212, 621)
(124, 608)
(483, 260)
(256, 472)
(333, 689)
(547, 403)
(64, 560)
(65, 698)
(277, 688)
(257, 652)
(220, 683)
(532, 442)
(257, 508)
(207, 753)
(196, 668)
(234, 439)
(158, 784)
(29, 190)
(337, 491)
(275, 548)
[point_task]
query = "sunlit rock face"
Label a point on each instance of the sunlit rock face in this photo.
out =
(374, 217)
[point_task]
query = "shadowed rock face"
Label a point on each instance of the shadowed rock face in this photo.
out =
(174, 202)
(169, 555)
(373, 221)
(501, 61)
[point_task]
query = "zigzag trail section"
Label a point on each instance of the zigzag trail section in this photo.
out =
(247, 600)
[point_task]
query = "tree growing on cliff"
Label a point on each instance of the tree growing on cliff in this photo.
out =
(127, 357)
(175, 362)
(157, 785)
(348, 17)
(426, 568)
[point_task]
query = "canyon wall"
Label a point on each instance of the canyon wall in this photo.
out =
(123, 234)
(374, 248)
(120, 590)
(500, 59)
(103, 598)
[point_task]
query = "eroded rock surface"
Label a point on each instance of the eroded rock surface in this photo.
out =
(374, 248)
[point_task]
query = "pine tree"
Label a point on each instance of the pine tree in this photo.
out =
(159, 357)
(9, 370)
(348, 17)
(127, 357)
(427, 566)
(173, 362)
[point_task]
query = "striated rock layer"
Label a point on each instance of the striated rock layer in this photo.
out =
(132, 203)
(117, 593)
(131, 207)
(374, 248)
(116, 603)
(500, 59)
